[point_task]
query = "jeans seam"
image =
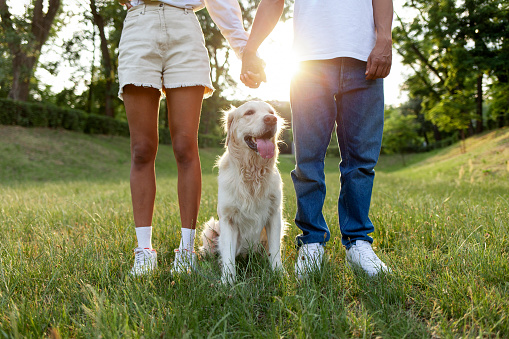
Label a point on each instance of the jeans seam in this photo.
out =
(343, 134)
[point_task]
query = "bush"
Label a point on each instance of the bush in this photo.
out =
(73, 120)
(8, 112)
(34, 114)
(54, 116)
(22, 114)
(101, 124)
(164, 136)
(210, 140)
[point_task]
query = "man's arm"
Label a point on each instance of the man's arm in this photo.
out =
(267, 16)
(380, 59)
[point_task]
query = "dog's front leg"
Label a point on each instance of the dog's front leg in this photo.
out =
(274, 229)
(228, 248)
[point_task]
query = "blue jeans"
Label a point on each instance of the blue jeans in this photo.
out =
(326, 93)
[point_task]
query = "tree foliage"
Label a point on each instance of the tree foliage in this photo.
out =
(24, 38)
(456, 49)
(98, 38)
(107, 18)
(400, 132)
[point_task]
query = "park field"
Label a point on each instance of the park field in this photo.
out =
(67, 235)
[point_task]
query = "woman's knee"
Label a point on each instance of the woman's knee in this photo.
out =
(143, 153)
(185, 149)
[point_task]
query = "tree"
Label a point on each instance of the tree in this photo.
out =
(106, 17)
(454, 48)
(400, 132)
(25, 38)
(5, 69)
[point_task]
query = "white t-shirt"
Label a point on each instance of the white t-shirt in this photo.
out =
(225, 13)
(327, 29)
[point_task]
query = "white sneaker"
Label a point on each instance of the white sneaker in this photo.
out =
(361, 255)
(184, 261)
(145, 261)
(309, 259)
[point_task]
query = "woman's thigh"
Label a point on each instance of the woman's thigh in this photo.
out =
(142, 109)
(184, 109)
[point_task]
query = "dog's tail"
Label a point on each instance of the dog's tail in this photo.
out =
(209, 237)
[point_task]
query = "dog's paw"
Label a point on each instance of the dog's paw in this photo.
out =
(280, 270)
(227, 279)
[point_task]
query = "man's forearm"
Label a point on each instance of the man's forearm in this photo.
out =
(267, 16)
(382, 15)
(380, 60)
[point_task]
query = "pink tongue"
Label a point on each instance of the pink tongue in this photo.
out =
(265, 148)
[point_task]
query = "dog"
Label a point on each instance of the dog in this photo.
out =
(250, 194)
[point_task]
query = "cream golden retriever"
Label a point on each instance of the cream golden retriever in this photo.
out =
(250, 195)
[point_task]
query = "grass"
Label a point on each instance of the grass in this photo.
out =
(67, 237)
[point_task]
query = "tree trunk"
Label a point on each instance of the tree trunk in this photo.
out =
(107, 64)
(22, 69)
(425, 135)
(479, 126)
(471, 130)
(92, 72)
(463, 142)
(436, 133)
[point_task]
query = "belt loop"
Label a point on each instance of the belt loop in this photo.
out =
(186, 11)
(143, 9)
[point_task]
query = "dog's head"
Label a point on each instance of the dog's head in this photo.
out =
(256, 126)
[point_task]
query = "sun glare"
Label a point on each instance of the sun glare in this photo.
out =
(18, 7)
(281, 65)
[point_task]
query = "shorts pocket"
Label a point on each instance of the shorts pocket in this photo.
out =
(132, 18)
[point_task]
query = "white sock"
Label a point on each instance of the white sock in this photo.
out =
(187, 240)
(144, 235)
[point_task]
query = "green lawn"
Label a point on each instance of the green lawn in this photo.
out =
(67, 235)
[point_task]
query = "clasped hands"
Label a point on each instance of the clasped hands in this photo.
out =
(252, 73)
(126, 3)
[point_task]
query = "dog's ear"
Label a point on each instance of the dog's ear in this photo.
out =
(227, 122)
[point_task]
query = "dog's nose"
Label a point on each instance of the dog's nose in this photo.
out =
(270, 120)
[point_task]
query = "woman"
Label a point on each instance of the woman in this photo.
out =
(162, 50)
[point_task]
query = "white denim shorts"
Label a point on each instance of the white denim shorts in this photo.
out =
(163, 47)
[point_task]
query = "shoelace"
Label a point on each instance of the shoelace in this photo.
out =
(311, 254)
(178, 250)
(366, 251)
(185, 255)
(139, 256)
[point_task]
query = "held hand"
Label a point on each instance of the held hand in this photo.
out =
(252, 73)
(126, 3)
(379, 61)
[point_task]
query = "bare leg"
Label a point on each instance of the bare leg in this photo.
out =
(142, 107)
(184, 108)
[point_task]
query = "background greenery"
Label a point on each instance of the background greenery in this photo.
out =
(67, 239)
(440, 203)
(456, 54)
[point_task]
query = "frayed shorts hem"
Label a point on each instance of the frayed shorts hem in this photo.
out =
(209, 90)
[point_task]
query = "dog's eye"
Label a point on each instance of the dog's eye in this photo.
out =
(250, 112)
(271, 112)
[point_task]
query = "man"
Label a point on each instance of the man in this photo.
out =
(345, 51)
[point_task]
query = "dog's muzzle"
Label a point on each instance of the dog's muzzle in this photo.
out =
(262, 143)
